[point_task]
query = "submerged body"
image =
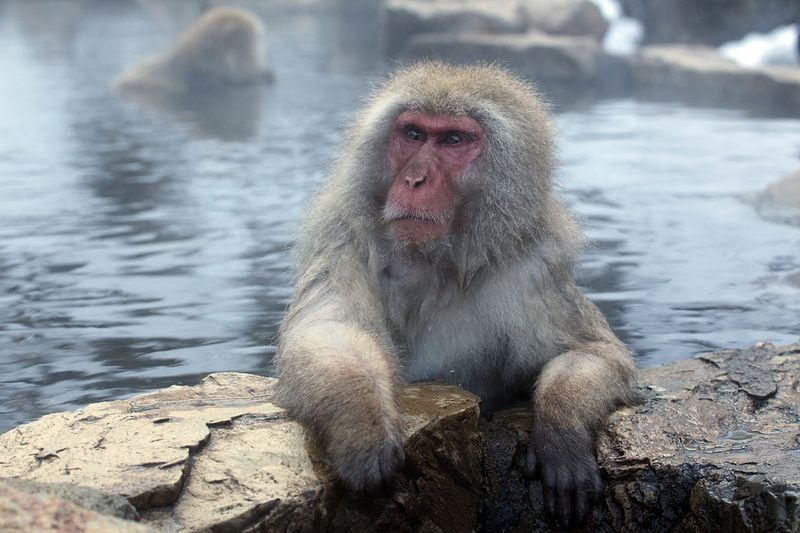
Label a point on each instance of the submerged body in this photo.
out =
(438, 249)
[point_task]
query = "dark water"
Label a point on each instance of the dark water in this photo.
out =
(147, 246)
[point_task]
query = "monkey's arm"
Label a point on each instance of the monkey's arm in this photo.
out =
(573, 396)
(337, 377)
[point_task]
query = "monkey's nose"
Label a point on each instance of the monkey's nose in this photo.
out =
(416, 181)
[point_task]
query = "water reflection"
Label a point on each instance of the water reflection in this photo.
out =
(676, 256)
(49, 26)
(229, 115)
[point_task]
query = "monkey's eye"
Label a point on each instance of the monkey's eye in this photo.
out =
(453, 137)
(413, 134)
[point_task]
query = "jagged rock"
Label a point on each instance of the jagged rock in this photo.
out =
(714, 446)
(559, 65)
(699, 75)
(404, 19)
(780, 201)
(26, 507)
(565, 17)
(221, 455)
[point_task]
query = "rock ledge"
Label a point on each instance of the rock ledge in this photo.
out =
(715, 445)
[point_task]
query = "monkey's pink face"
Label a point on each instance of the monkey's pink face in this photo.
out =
(428, 155)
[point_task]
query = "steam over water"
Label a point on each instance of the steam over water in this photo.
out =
(144, 247)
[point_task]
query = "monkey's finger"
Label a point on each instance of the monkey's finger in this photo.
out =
(389, 467)
(548, 491)
(388, 484)
(582, 505)
(370, 483)
(595, 487)
(587, 492)
(564, 490)
(530, 462)
(389, 460)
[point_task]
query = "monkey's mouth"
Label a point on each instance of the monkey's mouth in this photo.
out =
(393, 214)
(415, 226)
(422, 218)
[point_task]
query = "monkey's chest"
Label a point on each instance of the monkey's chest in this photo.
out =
(444, 343)
(439, 331)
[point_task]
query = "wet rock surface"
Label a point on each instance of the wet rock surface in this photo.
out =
(714, 446)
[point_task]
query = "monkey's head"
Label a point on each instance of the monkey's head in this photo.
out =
(224, 47)
(453, 159)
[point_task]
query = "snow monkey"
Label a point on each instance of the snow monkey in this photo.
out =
(223, 48)
(438, 249)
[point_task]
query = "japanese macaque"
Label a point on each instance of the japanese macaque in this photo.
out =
(223, 48)
(438, 249)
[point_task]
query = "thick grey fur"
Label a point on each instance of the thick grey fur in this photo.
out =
(492, 306)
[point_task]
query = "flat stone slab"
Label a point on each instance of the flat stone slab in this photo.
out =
(221, 456)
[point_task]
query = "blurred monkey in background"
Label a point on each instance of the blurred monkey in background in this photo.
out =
(438, 249)
(224, 48)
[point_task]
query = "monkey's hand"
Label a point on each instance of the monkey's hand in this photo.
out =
(565, 462)
(366, 456)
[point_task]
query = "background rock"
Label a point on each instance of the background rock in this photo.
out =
(560, 66)
(565, 17)
(699, 75)
(403, 19)
(556, 44)
(710, 22)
